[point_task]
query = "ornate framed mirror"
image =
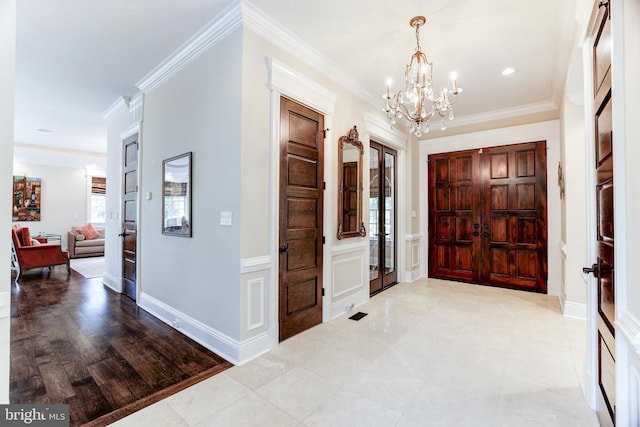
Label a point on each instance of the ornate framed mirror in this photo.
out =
(350, 188)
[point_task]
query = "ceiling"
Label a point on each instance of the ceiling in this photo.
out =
(75, 58)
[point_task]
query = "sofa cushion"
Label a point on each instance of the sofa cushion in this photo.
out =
(89, 232)
(25, 236)
(89, 243)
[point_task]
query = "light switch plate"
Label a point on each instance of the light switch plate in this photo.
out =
(225, 218)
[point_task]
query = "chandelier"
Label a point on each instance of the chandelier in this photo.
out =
(418, 103)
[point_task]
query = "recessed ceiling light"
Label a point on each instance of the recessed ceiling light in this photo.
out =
(508, 71)
(43, 130)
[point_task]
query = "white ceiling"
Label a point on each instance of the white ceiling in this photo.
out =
(75, 58)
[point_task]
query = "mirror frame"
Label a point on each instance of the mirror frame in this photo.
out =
(182, 230)
(352, 139)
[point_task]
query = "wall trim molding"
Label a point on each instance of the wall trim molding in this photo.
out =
(518, 111)
(350, 248)
(259, 263)
(259, 22)
(574, 309)
(236, 352)
(412, 237)
(289, 82)
(212, 33)
(112, 282)
(381, 129)
(629, 325)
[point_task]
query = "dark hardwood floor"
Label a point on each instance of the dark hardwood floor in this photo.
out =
(76, 342)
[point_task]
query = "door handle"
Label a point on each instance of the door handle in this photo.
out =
(476, 233)
(476, 226)
(593, 270)
(485, 234)
(284, 248)
(121, 234)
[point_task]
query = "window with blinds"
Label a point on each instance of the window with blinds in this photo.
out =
(97, 200)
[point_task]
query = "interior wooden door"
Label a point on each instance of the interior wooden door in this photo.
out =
(129, 215)
(604, 269)
(301, 218)
(488, 216)
(455, 215)
(514, 217)
(383, 203)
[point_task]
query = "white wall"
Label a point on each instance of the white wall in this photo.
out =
(117, 123)
(574, 284)
(64, 198)
(194, 281)
(7, 91)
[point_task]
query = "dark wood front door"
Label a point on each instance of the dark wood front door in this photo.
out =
(129, 215)
(382, 217)
(603, 270)
(488, 216)
(301, 218)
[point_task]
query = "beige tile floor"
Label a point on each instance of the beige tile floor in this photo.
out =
(429, 353)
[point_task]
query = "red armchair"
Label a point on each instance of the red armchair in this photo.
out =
(25, 255)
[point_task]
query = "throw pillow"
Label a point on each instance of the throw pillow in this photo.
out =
(79, 237)
(89, 232)
(35, 242)
(25, 236)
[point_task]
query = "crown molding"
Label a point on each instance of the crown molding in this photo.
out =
(259, 22)
(244, 13)
(522, 110)
(216, 30)
(122, 102)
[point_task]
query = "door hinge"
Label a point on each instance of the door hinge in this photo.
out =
(322, 291)
(324, 240)
(324, 185)
(324, 132)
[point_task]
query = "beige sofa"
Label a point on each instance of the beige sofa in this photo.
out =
(80, 247)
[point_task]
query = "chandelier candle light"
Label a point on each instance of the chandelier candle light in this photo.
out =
(417, 104)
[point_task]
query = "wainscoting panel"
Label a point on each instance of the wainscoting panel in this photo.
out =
(349, 285)
(347, 276)
(255, 304)
(412, 263)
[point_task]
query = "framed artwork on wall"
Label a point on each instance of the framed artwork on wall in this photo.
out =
(27, 196)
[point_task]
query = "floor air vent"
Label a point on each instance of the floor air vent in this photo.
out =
(359, 315)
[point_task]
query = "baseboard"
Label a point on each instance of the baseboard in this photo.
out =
(236, 352)
(574, 309)
(411, 276)
(339, 308)
(112, 282)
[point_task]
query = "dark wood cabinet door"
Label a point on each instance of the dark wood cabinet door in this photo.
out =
(488, 216)
(454, 215)
(301, 218)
